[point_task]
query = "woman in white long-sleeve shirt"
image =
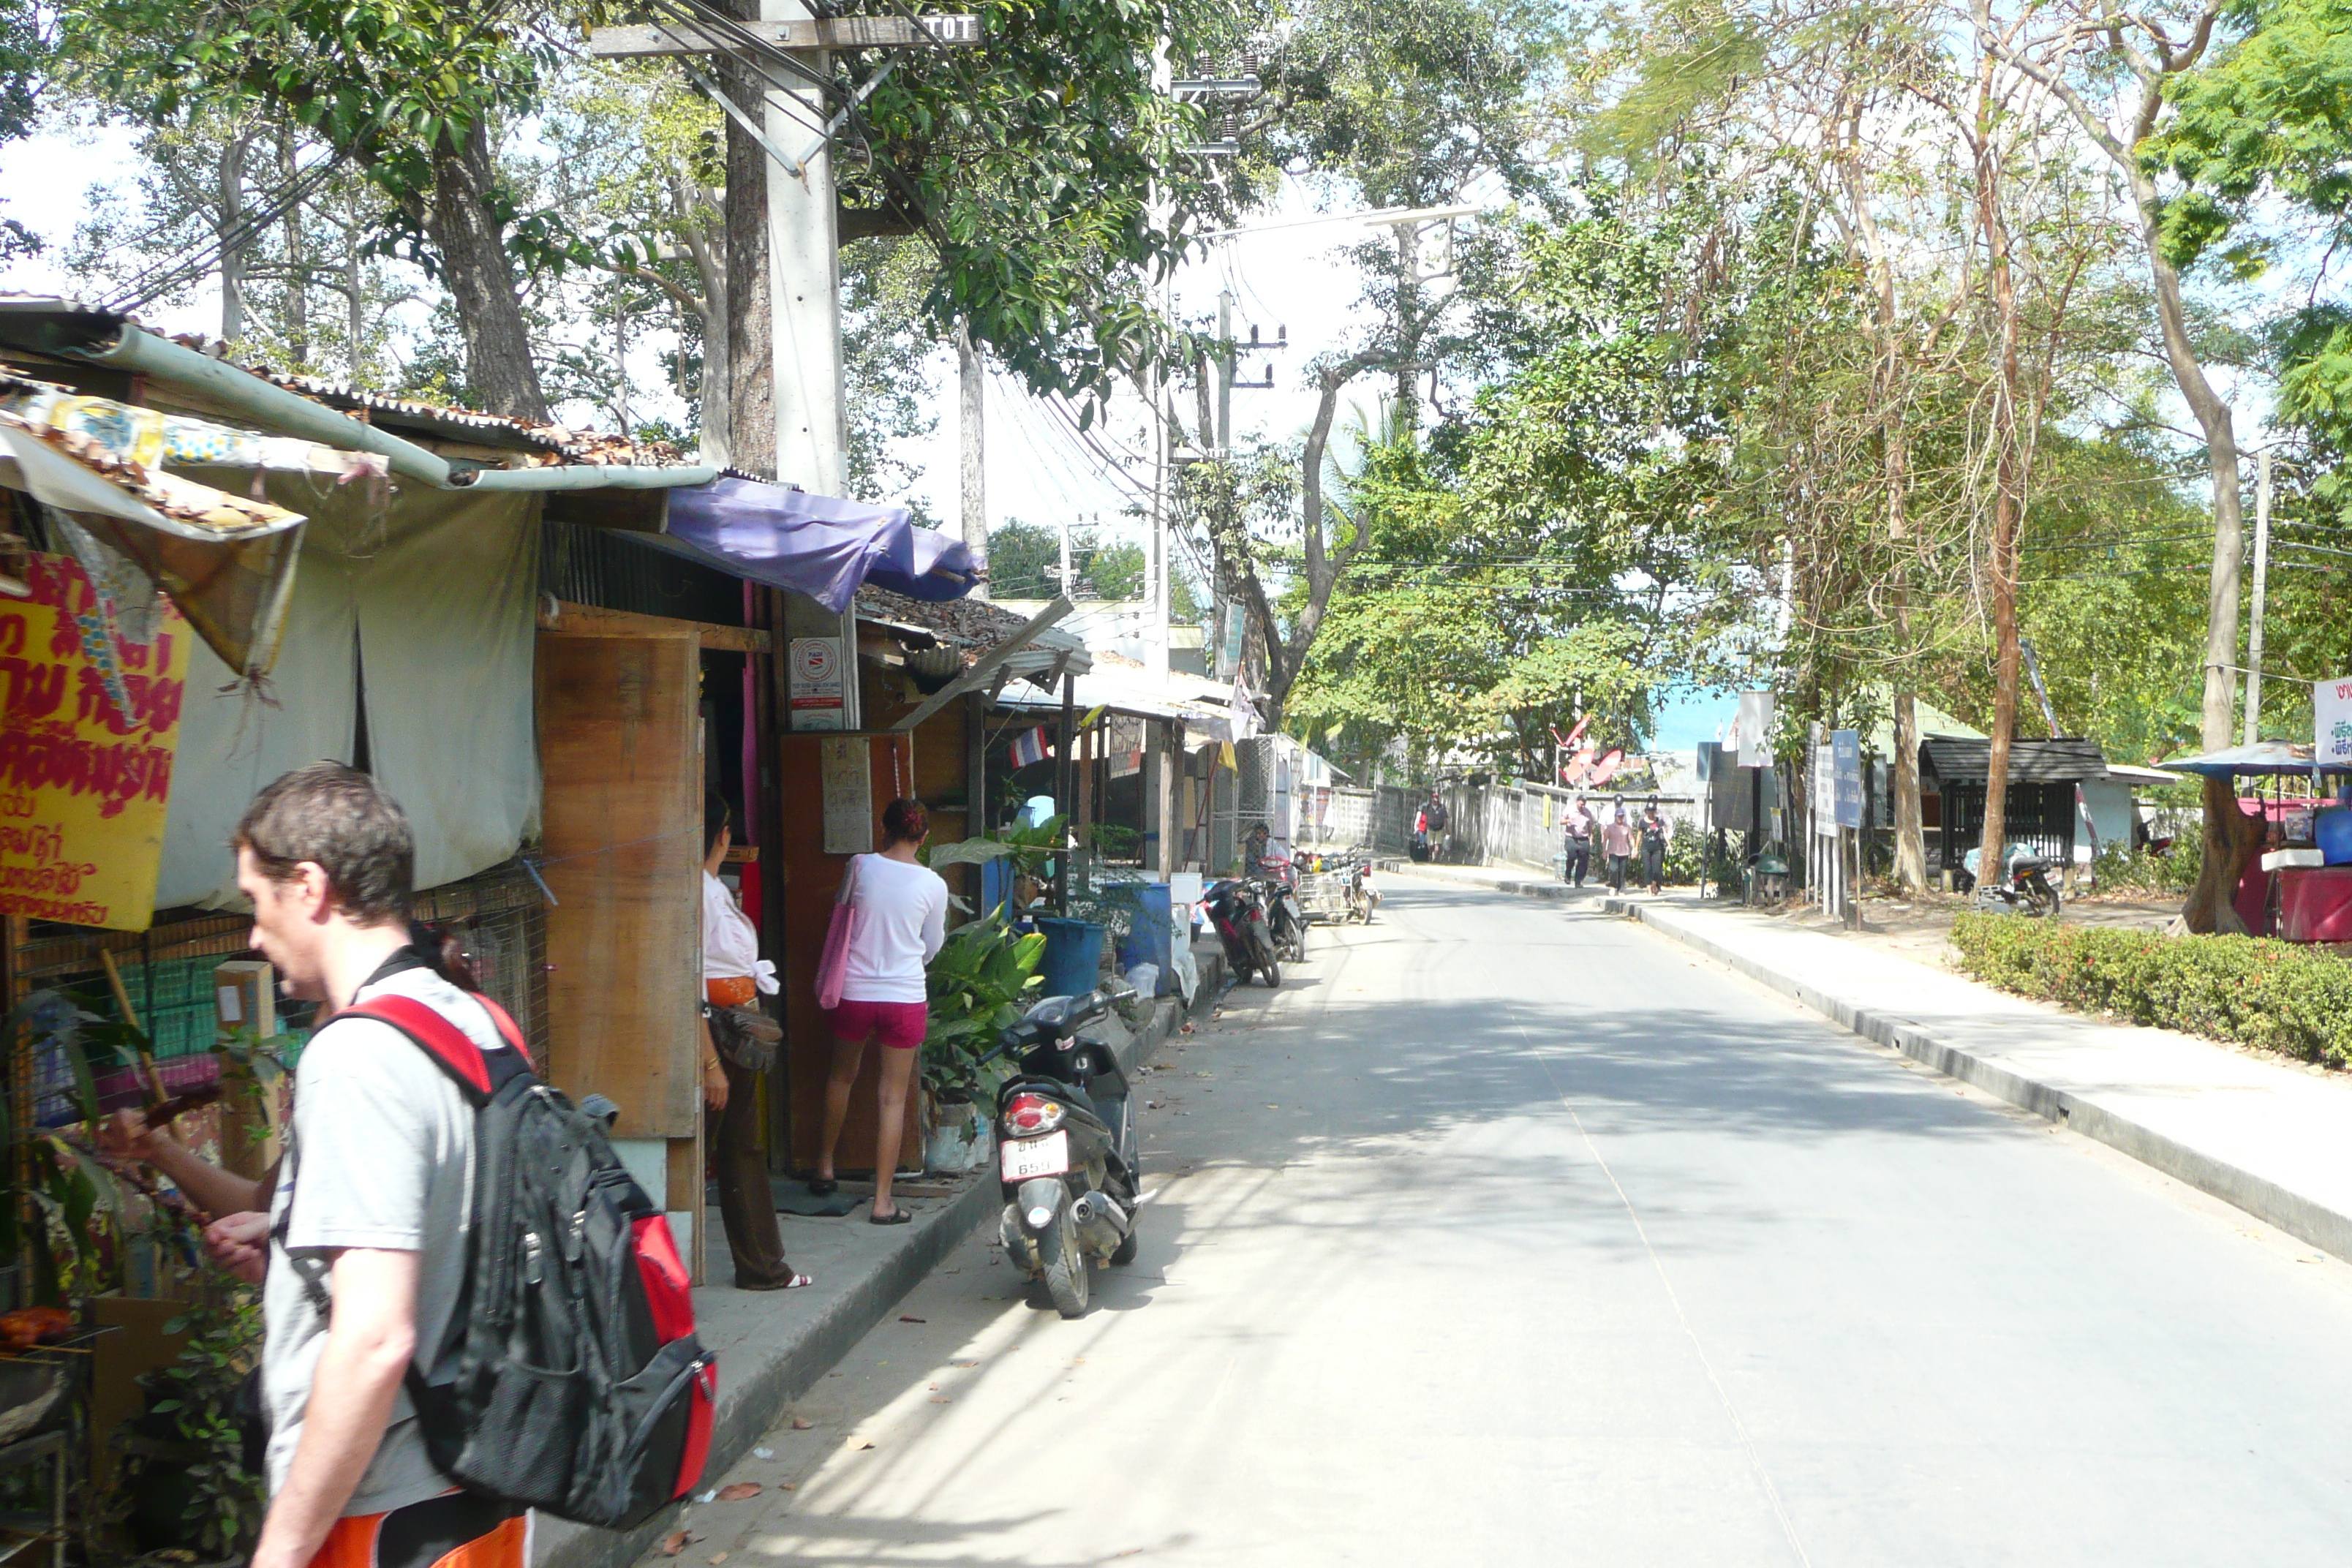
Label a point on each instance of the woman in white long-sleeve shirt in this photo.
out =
(902, 907)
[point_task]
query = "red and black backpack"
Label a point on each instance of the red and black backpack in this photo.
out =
(571, 1379)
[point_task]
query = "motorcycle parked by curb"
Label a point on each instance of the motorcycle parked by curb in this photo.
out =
(2026, 889)
(1066, 1148)
(1236, 908)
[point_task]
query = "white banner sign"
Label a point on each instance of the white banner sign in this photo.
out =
(2331, 727)
(1754, 730)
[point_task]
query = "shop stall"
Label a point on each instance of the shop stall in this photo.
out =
(2300, 887)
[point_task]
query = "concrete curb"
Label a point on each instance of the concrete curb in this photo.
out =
(2299, 1217)
(1525, 889)
(755, 1390)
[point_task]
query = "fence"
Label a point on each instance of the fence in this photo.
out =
(1520, 824)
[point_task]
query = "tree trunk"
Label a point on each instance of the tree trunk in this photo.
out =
(480, 277)
(2008, 509)
(751, 347)
(234, 251)
(706, 243)
(298, 280)
(1910, 831)
(2232, 840)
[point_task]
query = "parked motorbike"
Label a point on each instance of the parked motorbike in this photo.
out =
(1066, 1148)
(1285, 913)
(2026, 889)
(1354, 870)
(1236, 908)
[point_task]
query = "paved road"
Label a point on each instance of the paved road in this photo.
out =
(1506, 1233)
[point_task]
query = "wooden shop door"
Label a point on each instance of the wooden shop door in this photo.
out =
(620, 755)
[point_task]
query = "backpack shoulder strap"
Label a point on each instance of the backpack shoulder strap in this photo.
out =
(450, 1047)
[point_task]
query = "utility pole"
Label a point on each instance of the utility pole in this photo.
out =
(2253, 732)
(1064, 578)
(972, 380)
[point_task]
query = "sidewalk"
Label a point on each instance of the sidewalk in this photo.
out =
(2266, 1137)
(772, 1346)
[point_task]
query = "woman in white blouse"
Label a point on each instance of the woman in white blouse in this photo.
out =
(735, 975)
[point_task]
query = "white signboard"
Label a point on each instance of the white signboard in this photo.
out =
(2331, 727)
(813, 667)
(1755, 729)
(845, 775)
(1825, 802)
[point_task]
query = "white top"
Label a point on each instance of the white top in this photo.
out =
(730, 946)
(382, 1157)
(905, 907)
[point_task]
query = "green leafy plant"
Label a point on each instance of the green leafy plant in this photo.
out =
(978, 985)
(189, 1445)
(2281, 996)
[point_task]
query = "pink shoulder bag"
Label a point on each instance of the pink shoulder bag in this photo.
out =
(833, 964)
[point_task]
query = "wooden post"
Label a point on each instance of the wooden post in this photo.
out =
(1063, 778)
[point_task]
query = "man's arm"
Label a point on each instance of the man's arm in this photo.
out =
(127, 1136)
(369, 1343)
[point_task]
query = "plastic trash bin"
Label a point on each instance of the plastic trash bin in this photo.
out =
(1073, 956)
(1147, 941)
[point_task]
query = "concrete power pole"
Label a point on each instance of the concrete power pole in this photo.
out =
(971, 383)
(2262, 588)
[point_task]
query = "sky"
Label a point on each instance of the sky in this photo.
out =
(1290, 278)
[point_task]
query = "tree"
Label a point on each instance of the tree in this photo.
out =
(405, 90)
(24, 56)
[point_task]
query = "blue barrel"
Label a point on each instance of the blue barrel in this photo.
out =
(1147, 941)
(1073, 956)
(2332, 830)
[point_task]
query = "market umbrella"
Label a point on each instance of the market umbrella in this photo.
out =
(2262, 757)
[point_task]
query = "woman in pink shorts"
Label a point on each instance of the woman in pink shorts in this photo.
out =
(902, 907)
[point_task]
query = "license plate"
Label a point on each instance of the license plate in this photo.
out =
(1046, 1156)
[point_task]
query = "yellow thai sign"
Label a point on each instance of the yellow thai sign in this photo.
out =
(89, 728)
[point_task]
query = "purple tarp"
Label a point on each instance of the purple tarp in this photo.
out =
(819, 545)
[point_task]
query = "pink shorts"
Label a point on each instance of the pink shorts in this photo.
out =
(899, 1025)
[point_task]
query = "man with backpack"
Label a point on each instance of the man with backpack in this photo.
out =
(368, 1255)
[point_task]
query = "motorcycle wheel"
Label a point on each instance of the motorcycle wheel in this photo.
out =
(1271, 973)
(1066, 1266)
(1299, 942)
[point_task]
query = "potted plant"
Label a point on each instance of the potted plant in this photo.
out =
(978, 984)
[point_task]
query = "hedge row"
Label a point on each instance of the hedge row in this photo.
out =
(2281, 996)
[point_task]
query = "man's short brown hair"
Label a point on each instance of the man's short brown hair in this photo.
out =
(339, 818)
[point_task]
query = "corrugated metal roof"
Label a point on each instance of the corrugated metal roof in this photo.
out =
(552, 444)
(2067, 760)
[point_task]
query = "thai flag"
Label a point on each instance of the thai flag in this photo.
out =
(1030, 748)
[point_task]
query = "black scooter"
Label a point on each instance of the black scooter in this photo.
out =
(1237, 909)
(1066, 1148)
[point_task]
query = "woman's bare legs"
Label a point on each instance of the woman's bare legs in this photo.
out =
(897, 1068)
(847, 1056)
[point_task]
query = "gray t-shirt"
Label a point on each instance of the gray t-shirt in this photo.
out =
(382, 1157)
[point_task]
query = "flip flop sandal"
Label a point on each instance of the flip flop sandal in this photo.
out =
(895, 1216)
(823, 1188)
(794, 1283)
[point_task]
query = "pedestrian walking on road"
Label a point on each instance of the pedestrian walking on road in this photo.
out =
(1617, 843)
(738, 1044)
(1654, 851)
(372, 1261)
(1579, 844)
(902, 908)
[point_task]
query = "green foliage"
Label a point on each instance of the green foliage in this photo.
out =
(198, 1391)
(2281, 996)
(977, 984)
(2139, 870)
(1024, 561)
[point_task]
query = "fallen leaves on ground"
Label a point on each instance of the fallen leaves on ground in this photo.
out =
(801, 1425)
(678, 1540)
(739, 1492)
(717, 1558)
(910, 1318)
(856, 1442)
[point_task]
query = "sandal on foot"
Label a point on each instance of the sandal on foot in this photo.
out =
(793, 1282)
(895, 1216)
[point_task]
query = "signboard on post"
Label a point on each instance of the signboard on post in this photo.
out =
(813, 669)
(1755, 729)
(2331, 721)
(1845, 748)
(87, 742)
(1825, 802)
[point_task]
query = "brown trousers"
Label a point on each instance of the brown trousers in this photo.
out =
(747, 1204)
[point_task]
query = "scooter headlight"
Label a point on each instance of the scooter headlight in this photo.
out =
(1040, 1218)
